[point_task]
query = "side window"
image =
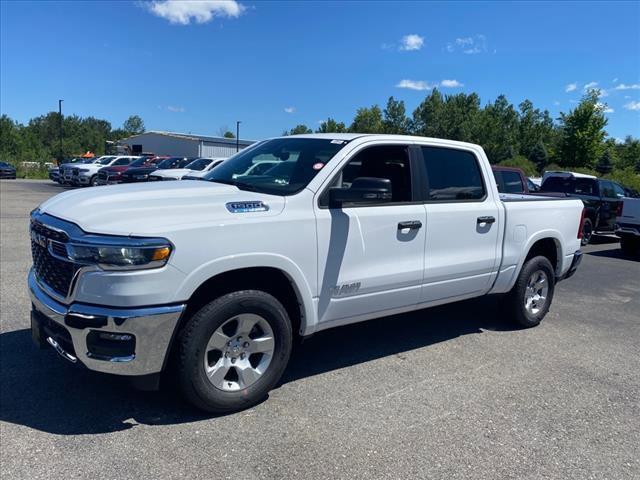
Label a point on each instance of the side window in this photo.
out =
(453, 175)
(122, 161)
(618, 190)
(512, 182)
(607, 190)
(497, 174)
(384, 161)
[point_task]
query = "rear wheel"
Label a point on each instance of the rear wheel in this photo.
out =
(233, 351)
(587, 232)
(532, 294)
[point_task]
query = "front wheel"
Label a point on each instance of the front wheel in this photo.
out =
(233, 351)
(532, 294)
(94, 181)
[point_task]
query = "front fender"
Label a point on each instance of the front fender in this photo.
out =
(251, 260)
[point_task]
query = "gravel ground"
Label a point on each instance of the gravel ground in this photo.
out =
(451, 392)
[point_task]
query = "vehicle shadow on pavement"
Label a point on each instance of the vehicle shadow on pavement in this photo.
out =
(615, 253)
(43, 392)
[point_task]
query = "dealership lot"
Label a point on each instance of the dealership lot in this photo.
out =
(451, 392)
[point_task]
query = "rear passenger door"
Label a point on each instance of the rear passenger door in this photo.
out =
(463, 225)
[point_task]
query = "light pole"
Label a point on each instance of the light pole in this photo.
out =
(60, 115)
(238, 135)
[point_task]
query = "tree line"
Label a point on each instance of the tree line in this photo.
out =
(522, 136)
(39, 140)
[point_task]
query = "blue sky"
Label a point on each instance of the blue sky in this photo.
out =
(196, 67)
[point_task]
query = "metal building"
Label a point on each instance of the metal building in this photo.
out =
(183, 144)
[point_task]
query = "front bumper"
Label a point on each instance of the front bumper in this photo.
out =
(575, 263)
(71, 329)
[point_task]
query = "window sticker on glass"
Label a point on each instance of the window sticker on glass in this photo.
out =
(318, 166)
(339, 142)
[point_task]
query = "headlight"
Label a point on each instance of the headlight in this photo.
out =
(120, 257)
(83, 170)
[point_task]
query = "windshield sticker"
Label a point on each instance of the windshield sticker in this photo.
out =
(339, 142)
(318, 166)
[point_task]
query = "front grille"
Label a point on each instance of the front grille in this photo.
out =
(59, 249)
(55, 273)
(57, 235)
(75, 172)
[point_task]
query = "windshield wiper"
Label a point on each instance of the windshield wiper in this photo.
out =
(240, 185)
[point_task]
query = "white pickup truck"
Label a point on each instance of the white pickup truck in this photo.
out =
(217, 278)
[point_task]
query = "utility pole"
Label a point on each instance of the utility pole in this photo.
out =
(60, 115)
(238, 135)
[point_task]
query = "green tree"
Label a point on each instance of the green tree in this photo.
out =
(368, 120)
(627, 153)
(331, 126)
(427, 117)
(604, 165)
(133, 125)
(527, 166)
(229, 134)
(582, 133)
(539, 156)
(534, 126)
(300, 129)
(395, 119)
(497, 130)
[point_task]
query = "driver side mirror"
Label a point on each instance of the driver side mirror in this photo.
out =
(362, 190)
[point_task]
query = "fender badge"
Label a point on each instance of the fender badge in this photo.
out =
(246, 207)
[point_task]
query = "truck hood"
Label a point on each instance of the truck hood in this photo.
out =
(153, 209)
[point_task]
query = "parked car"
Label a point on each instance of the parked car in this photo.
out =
(141, 174)
(87, 175)
(65, 172)
(628, 226)
(602, 199)
(7, 171)
(217, 277)
(113, 174)
(510, 179)
(199, 165)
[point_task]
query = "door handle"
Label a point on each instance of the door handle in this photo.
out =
(488, 219)
(411, 225)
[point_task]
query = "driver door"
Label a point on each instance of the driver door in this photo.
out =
(371, 256)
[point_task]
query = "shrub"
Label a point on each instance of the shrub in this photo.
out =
(527, 166)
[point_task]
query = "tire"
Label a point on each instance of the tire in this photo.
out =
(587, 232)
(93, 181)
(532, 315)
(629, 246)
(229, 391)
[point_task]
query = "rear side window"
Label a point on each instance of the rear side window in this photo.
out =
(452, 175)
(122, 161)
(512, 182)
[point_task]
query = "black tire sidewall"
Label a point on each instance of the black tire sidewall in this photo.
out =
(522, 316)
(204, 323)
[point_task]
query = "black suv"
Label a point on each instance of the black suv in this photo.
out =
(602, 199)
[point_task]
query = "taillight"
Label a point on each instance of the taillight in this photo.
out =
(619, 209)
(584, 211)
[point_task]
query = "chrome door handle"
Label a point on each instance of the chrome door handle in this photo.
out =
(488, 219)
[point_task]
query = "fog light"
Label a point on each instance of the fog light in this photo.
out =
(110, 346)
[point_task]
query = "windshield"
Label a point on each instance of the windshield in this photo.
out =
(105, 160)
(139, 162)
(168, 163)
(198, 164)
(282, 166)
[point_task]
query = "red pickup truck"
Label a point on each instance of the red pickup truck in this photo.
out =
(512, 180)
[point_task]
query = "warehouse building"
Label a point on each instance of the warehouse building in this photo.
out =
(182, 144)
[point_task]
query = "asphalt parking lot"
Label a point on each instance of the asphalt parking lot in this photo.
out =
(451, 392)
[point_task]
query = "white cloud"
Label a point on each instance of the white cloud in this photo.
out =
(633, 105)
(289, 109)
(571, 87)
(589, 86)
(604, 107)
(451, 84)
(633, 86)
(615, 80)
(414, 84)
(182, 12)
(175, 109)
(468, 45)
(412, 42)
(556, 103)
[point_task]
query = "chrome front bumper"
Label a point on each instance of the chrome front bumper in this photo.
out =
(152, 327)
